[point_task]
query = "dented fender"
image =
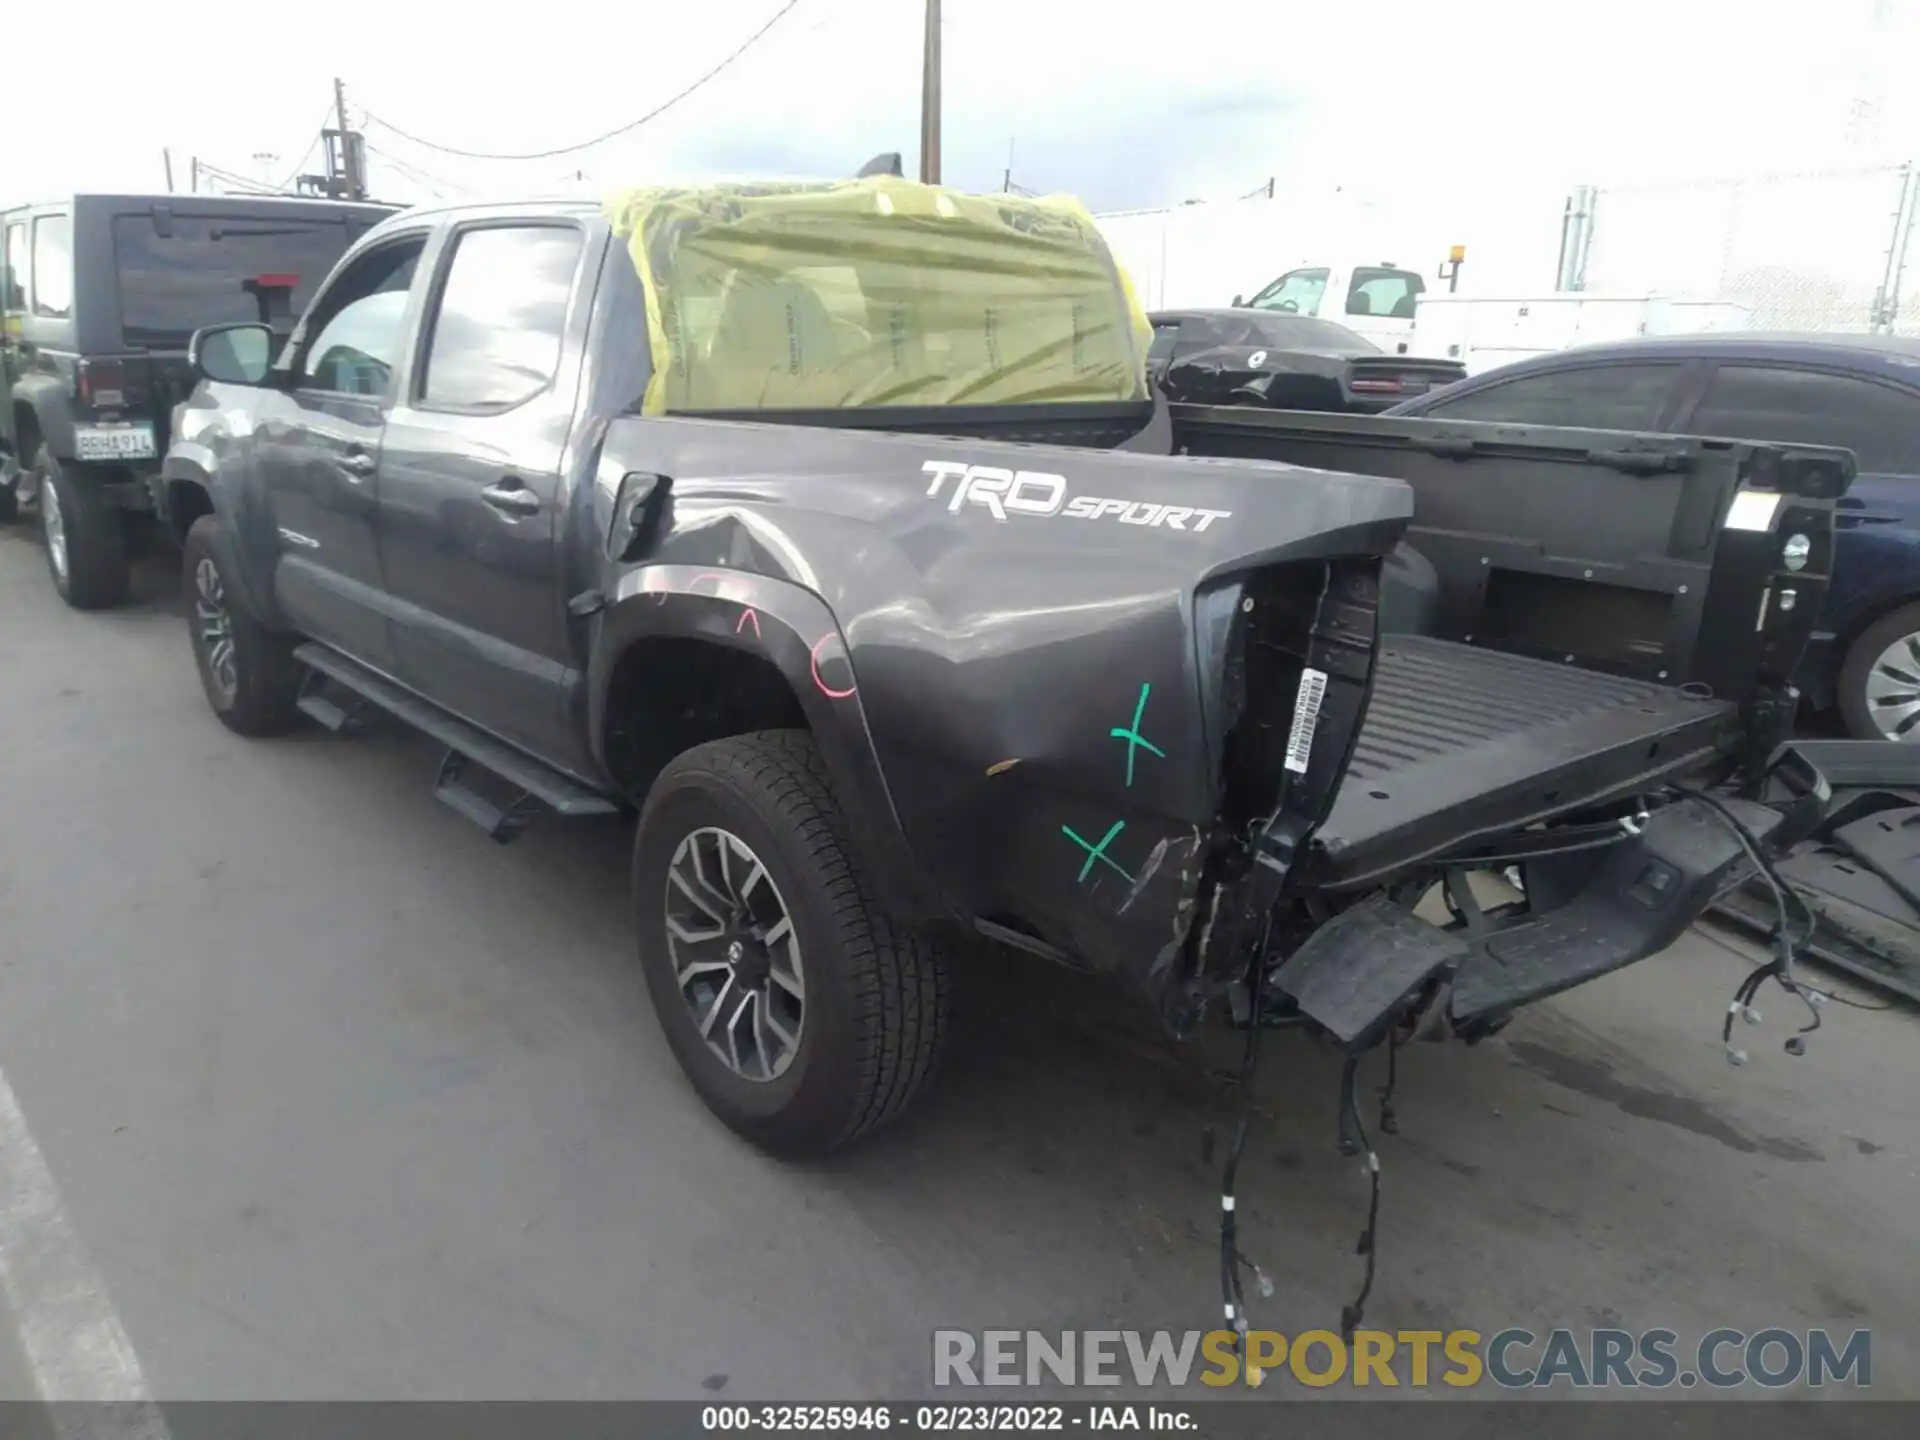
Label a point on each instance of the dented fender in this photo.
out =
(1016, 656)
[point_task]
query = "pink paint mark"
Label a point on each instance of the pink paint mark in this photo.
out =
(712, 575)
(741, 624)
(813, 659)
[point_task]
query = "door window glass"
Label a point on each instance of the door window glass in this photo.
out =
(496, 337)
(1597, 397)
(1879, 423)
(1377, 290)
(53, 266)
(361, 321)
(15, 296)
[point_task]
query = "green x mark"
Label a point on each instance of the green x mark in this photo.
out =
(1135, 740)
(1097, 852)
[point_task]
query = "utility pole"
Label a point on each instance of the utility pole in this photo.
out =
(930, 99)
(166, 157)
(194, 182)
(1006, 180)
(350, 155)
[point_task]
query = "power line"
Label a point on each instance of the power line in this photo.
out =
(246, 186)
(417, 175)
(657, 111)
(319, 132)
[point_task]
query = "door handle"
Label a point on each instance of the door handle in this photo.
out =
(357, 462)
(510, 497)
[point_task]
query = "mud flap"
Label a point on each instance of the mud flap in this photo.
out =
(1357, 970)
(1636, 903)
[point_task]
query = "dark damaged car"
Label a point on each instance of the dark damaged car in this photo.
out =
(1283, 362)
(834, 531)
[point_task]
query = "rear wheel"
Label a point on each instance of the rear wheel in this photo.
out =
(803, 1014)
(85, 539)
(248, 672)
(1880, 679)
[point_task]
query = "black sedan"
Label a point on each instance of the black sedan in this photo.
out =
(1283, 362)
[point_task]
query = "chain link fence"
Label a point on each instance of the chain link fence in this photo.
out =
(1822, 251)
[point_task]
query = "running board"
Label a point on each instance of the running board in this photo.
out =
(532, 785)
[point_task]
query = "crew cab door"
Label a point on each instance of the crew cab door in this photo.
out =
(317, 443)
(472, 498)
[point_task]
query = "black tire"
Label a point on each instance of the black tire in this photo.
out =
(263, 696)
(877, 993)
(87, 547)
(1857, 669)
(9, 503)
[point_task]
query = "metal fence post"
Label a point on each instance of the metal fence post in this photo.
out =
(1886, 303)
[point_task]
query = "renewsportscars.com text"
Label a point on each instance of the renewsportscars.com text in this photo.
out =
(1513, 1358)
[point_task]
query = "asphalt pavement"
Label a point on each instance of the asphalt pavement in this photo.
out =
(318, 1093)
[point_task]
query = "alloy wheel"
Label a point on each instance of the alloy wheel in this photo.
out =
(736, 959)
(54, 525)
(1893, 690)
(213, 626)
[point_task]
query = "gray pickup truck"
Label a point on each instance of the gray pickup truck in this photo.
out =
(835, 531)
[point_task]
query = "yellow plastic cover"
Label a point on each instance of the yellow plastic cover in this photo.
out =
(877, 291)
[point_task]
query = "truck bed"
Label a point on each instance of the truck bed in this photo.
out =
(1460, 742)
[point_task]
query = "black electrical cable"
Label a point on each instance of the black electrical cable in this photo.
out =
(618, 130)
(1232, 1297)
(1827, 996)
(1352, 1313)
(1781, 968)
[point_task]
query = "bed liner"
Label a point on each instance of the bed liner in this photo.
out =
(1460, 742)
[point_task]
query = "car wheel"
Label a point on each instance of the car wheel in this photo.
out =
(1880, 679)
(84, 536)
(802, 1013)
(248, 672)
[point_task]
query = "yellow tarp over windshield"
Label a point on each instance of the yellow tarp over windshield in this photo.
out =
(877, 291)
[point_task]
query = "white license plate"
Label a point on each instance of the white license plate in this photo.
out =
(113, 442)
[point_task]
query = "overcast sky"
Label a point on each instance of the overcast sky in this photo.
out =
(1126, 105)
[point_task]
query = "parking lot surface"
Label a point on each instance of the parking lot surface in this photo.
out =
(334, 1098)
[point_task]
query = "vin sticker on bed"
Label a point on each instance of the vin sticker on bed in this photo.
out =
(1306, 716)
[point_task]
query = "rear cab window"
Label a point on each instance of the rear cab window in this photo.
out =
(1879, 422)
(1595, 397)
(1385, 291)
(190, 270)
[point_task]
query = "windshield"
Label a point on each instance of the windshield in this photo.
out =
(221, 269)
(1297, 292)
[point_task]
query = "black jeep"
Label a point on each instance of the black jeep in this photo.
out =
(100, 296)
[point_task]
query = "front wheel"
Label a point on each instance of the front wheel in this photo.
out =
(1880, 679)
(803, 1014)
(248, 672)
(84, 535)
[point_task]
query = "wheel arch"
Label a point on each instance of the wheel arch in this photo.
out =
(682, 656)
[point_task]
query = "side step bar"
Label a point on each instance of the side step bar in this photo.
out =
(532, 784)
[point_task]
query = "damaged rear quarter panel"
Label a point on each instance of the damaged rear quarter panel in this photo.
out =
(1031, 683)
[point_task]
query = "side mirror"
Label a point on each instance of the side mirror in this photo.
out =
(1239, 300)
(232, 354)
